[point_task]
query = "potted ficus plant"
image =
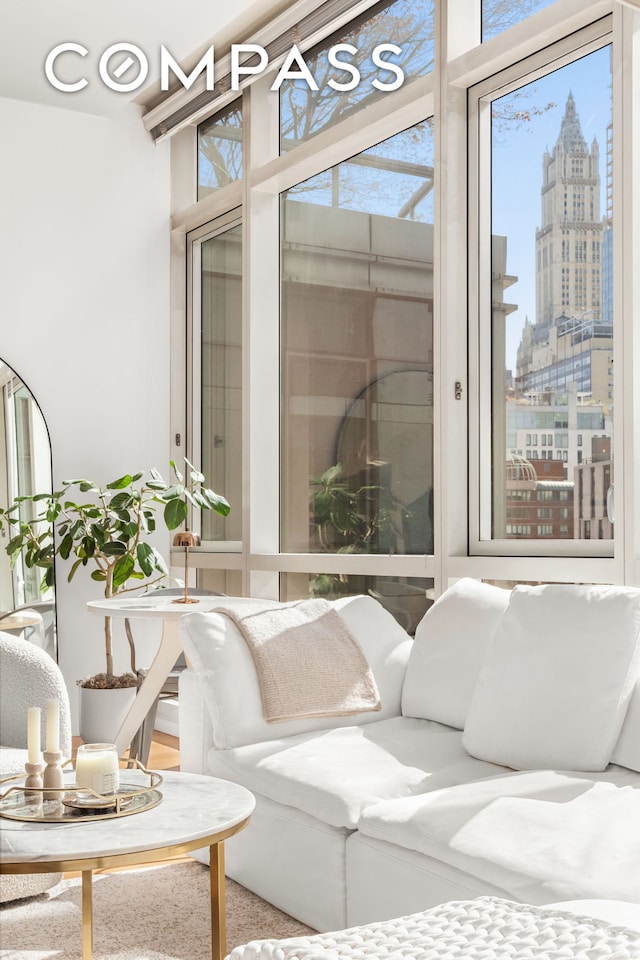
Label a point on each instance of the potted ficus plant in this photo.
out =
(106, 528)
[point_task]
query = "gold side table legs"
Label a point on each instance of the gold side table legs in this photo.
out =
(87, 915)
(218, 910)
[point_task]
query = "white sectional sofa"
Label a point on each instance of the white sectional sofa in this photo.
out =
(504, 761)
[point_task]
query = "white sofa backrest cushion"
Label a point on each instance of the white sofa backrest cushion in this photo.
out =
(557, 678)
(448, 650)
(626, 752)
(223, 663)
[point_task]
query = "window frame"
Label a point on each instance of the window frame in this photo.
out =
(462, 65)
(481, 96)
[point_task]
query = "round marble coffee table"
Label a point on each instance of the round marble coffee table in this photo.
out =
(195, 812)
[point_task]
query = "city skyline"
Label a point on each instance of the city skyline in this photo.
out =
(517, 167)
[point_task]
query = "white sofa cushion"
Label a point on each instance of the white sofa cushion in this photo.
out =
(557, 678)
(334, 774)
(538, 835)
(224, 665)
(627, 750)
(448, 650)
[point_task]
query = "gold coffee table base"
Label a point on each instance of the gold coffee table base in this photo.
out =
(216, 881)
(196, 812)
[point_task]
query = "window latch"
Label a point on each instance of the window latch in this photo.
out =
(457, 390)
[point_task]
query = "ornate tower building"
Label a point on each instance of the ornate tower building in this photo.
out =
(569, 240)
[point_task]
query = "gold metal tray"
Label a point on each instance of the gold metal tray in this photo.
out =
(74, 804)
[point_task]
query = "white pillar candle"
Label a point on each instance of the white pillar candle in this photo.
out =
(33, 734)
(97, 768)
(53, 726)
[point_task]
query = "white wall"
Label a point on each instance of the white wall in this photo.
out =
(84, 309)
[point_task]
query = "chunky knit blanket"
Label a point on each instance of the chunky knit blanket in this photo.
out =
(484, 929)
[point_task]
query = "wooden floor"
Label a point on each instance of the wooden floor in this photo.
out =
(165, 752)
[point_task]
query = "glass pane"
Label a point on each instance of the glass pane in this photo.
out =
(25, 469)
(357, 362)
(499, 15)
(221, 373)
(406, 23)
(228, 582)
(552, 342)
(407, 598)
(220, 150)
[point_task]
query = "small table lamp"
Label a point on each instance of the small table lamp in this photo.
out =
(186, 539)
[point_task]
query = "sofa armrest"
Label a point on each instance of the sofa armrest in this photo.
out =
(194, 723)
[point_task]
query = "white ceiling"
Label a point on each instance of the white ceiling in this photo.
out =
(29, 29)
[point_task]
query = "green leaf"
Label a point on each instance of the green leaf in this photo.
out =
(122, 570)
(195, 474)
(175, 513)
(157, 485)
(176, 490)
(176, 471)
(66, 546)
(73, 569)
(144, 554)
(130, 530)
(99, 575)
(89, 546)
(136, 477)
(15, 544)
(159, 562)
(155, 474)
(121, 500)
(200, 500)
(114, 549)
(216, 502)
(86, 485)
(332, 474)
(77, 530)
(120, 483)
(53, 512)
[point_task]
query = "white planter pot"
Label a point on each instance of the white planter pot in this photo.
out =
(102, 712)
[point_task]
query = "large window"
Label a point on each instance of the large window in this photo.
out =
(402, 331)
(220, 150)
(341, 91)
(551, 342)
(357, 353)
(499, 15)
(217, 269)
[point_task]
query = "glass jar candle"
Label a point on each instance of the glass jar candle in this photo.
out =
(97, 768)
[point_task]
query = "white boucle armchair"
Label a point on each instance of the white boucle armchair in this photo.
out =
(29, 677)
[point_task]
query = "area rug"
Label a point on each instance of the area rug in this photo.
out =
(154, 913)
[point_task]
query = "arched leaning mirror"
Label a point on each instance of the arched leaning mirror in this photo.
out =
(385, 445)
(26, 607)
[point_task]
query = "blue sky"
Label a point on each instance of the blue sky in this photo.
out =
(517, 169)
